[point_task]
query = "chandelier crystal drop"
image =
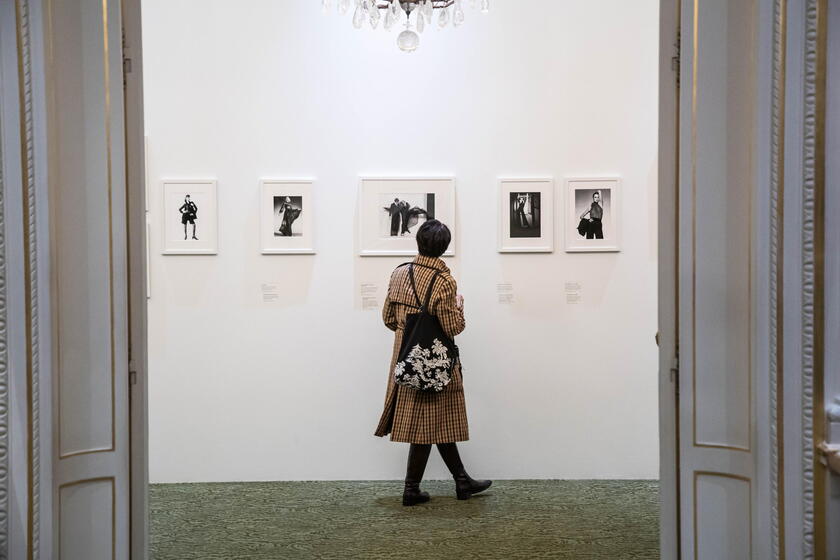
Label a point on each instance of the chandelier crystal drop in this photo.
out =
(443, 18)
(458, 14)
(423, 12)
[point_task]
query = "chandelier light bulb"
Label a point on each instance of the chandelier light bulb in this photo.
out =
(421, 22)
(343, 6)
(485, 6)
(325, 6)
(408, 41)
(428, 9)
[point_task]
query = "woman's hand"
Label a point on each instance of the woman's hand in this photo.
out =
(459, 301)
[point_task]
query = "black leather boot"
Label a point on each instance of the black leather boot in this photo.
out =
(418, 456)
(465, 486)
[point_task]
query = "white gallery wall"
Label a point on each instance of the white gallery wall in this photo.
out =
(243, 389)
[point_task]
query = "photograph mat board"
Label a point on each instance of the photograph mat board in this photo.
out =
(190, 229)
(434, 195)
(279, 217)
(579, 200)
(526, 201)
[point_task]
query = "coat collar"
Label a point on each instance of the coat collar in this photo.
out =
(432, 261)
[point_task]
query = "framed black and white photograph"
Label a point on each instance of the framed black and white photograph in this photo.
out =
(526, 215)
(286, 221)
(391, 210)
(190, 217)
(593, 217)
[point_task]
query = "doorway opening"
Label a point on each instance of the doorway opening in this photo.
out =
(267, 368)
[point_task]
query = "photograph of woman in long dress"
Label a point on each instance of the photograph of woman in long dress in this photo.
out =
(287, 209)
(525, 214)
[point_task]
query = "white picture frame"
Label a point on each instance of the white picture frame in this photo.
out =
(526, 215)
(580, 195)
(377, 223)
(178, 231)
(279, 235)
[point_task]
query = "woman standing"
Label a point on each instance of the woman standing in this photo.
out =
(189, 214)
(596, 214)
(290, 214)
(418, 417)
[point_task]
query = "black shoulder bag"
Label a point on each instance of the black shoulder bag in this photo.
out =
(427, 355)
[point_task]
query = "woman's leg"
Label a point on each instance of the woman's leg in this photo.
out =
(418, 456)
(464, 485)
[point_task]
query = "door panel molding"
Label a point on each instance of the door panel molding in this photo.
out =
(741, 441)
(697, 516)
(65, 450)
(112, 483)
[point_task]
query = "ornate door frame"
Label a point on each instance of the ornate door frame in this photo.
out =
(795, 185)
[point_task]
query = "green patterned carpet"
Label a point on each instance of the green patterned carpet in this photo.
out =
(528, 519)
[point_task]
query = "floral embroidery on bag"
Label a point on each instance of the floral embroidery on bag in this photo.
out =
(425, 368)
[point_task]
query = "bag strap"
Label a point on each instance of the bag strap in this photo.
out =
(424, 306)
(414, 286)
(429, 291)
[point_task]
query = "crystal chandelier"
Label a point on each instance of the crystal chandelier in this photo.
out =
(416, 13)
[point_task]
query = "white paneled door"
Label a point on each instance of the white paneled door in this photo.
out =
(717, 185)
(89, 280)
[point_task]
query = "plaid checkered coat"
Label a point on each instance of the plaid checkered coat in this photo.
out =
(412, 416)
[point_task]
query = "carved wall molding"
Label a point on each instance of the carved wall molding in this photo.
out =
(22, 9)
(776, 276)
(4, 377)
(811, 259)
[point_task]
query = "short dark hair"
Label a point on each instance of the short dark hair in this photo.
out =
(596, 192)
(433, 238)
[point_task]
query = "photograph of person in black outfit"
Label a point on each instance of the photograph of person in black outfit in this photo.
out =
(596, 215)
(525, 219)
(395, 211)
(405, 211)
(189, 214)
(287, 209)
